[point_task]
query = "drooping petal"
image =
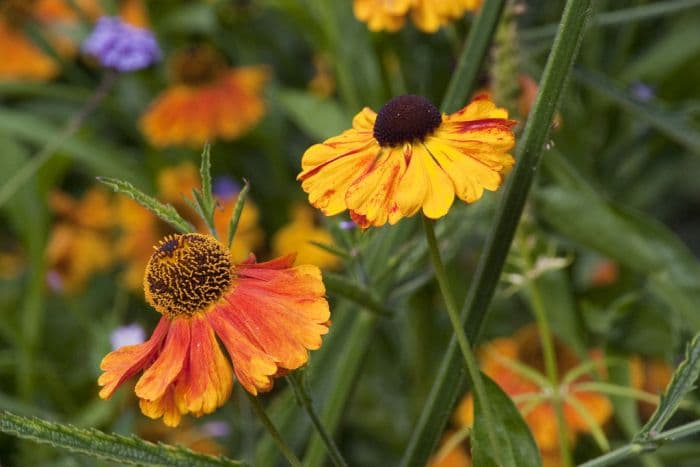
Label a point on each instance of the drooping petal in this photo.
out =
(206, 381)
(164, 406)
(125, 362)
(372, 193)
(254, 369)
(159, 376)
(424, 185)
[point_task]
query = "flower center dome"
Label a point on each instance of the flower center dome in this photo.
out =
(186, 274)
(405, 119)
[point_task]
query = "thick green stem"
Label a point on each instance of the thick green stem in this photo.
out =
(305, 401)
(267, 423)
(448, 382)
(465, 347)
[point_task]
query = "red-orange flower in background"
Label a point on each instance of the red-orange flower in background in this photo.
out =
(407, 158)
(207, 101)
(427, 15)
(497, 360)
(267, 315)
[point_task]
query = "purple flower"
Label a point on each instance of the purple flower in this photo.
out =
(347, 225)
(642, 91)
(217, 429)
(130, 334)
(121, 46)
(225, 187)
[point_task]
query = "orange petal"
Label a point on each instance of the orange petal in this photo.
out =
(206, 382)
(159, 376)
(125, 362)
(597, 405)
(164, 407)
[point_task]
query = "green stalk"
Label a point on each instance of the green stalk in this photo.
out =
(462, 83)
(465, 347)
(305, 401)
(74, 124)
(550, 363)
(448, 382)
(635, 449)
(270, 427)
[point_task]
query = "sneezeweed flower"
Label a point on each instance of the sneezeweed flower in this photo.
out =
(267, 315)
(297, 236)
(207, 101)
(79, 242)
(407, 158)
(427, 15)
(524, 348)
(120, 46)
(140, 228)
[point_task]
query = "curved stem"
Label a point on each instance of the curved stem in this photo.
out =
(276, 437)
(74, 124)
(305, 401)
(465, 347)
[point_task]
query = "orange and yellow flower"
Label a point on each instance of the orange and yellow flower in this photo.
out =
(79, 243)
(427, 15)
(267, 315)
(407, 158)
(140, 228)
(22, 58)
(207, 101)
(298, 236)
(496, 361)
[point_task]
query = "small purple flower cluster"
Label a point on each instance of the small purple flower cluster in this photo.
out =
(121, 46)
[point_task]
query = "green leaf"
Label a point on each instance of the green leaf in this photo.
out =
(237, 210)
(97, 157)
(205, 174)
(112, 447)
(350, 290)
(514, 436)
(682, 382)
(164, 211)
(637, 241)
(319, 118)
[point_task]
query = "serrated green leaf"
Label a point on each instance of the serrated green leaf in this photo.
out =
(165, 211)
(237, 210)
(682, 382)
(512, 432)
(113, 447)
(205, 174)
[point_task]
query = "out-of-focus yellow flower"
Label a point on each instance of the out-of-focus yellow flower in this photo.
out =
(140, 228)
(524, 347)
(79, 244)
(298, 235)
(323, 82)
(649, 375)
(407, 158)
(450, 454)
(207, 101)
(427, 15)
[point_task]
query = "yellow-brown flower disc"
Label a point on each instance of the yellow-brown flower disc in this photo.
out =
(186, 274)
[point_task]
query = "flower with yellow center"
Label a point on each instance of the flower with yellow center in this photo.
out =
(267, 315)
(427, 15)
(208, 101)
(408, 158)
(298, 236)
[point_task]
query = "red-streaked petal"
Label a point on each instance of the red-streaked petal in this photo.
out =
(156, 379)
(206, 381)
(125, 362)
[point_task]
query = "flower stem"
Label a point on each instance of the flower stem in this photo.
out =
(74, 124)
(550, 359)
(305, 400)
(469, 358)
(277, 438)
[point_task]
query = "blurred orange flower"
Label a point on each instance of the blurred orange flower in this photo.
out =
(267, 315)
(207, 101)
(497, 359)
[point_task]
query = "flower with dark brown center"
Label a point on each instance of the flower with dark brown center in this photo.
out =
(405, 119)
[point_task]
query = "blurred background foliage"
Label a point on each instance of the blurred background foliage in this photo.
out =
(614, 210)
